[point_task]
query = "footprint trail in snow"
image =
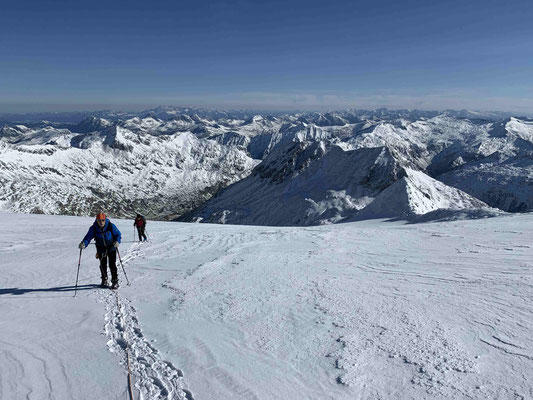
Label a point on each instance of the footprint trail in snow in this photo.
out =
(153, 378)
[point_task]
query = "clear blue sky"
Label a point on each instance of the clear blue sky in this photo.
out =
(66, 55)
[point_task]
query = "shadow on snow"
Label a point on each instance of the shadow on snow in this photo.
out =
(60, 289)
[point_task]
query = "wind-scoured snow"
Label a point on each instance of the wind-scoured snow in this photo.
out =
(361, 310)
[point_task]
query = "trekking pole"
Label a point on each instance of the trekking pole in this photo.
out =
(123, 267)
(78, 274)
(133, 233)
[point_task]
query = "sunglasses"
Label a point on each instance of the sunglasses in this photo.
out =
(101, 220)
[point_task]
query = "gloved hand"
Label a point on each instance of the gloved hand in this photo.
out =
(115, 245)
(81, 246)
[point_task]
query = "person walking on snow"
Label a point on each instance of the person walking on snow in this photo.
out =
(107, 237)
(140, 223)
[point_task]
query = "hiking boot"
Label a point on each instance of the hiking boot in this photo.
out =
(114, 285)
(104, 283)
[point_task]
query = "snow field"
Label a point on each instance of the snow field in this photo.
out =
(363, 310)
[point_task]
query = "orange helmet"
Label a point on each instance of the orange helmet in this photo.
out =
(101, 216)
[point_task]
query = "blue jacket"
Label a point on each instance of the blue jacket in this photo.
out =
(104, 238)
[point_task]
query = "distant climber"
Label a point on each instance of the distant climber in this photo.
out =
(140, 223)
(107, 238)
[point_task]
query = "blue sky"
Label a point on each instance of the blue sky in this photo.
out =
(65, 55)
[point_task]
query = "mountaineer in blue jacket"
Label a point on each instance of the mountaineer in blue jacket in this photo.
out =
(107, 238)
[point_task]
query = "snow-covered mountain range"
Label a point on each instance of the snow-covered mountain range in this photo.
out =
(290, 169)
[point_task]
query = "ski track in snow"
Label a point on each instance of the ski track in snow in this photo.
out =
(153, 377)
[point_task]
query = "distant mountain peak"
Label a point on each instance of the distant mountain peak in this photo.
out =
(91, 124)
(416, 194)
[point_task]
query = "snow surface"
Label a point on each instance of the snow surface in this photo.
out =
(363, 310)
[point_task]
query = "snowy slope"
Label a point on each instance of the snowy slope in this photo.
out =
(503, 178)
(418, 194)
(421, 141)
(362, 310)
(303, 183)
(55, 171)
(443, 146)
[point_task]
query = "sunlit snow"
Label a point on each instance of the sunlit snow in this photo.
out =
(362, 310)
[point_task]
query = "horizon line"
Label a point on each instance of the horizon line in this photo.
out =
(131, 108)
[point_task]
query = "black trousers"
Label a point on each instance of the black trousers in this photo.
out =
(140, 231)
(112, 257)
